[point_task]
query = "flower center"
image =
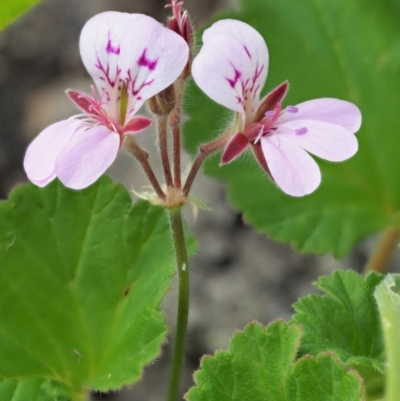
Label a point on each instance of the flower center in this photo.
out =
(267, 126)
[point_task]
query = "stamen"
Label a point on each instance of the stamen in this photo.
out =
(292, 109)
(301, 131)
(259, 135)
(94, 94)
(273, 115)
(113, 127)
(104, 94)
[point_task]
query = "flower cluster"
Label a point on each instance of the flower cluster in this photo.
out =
(231, 69)
(132, 58)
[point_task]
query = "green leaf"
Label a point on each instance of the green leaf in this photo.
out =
(346, 321)
(11, 10)
(81, 279)
(35, 389)
(388, 297)
(345, 49)
(260, 365)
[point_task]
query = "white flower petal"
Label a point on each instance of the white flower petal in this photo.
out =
(41, 155)
(87, 156)
(232, 65)
(291, 167)
(100, 48)
(325, 140)
(334, 111)
(250, 39)
(153, 57)
(135, 49)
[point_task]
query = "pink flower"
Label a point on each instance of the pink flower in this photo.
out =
(131, 57)
(231, 69)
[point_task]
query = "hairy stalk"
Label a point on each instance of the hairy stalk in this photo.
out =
(175, 122)
(162, 141)
(205, 151)
(383, 252)
(142, 157)
(176, 132)
(178, 236)
(193, 172)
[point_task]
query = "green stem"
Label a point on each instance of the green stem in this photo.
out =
(178, 235)
(384, 251)
(387, 295)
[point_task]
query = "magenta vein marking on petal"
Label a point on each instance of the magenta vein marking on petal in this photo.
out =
(233, 82)
(146, 62)
(292, 109)
(148, 83)
(301, 131)
(256, 90)
(106, 72)
(247, 51)
(255, 77)
(244, 85)
(131, 84)
(110, 48)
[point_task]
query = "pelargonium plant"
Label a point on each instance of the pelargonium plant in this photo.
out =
(83, 269)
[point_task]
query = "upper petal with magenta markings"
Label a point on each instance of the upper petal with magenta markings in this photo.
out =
(232, 65)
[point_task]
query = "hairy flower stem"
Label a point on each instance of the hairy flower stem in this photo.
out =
(205, 150)
(175, 122)
(178, 236)
(142, 157)
(383, 252)
(177, 155)
(162, 141)
(193, 172)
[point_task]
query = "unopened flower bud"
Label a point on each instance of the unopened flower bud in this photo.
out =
(164, 102)
(181, 24)
(182, 27)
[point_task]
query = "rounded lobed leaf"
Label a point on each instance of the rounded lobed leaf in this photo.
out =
(345, 320)
(36, 389)
(79, 271)
(260, 364)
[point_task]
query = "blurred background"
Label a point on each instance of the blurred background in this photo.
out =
(238, 275)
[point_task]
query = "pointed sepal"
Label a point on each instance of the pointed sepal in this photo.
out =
(271, 100)
(234, 148)
(81, 100)
(259, 155)
(137, 124)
